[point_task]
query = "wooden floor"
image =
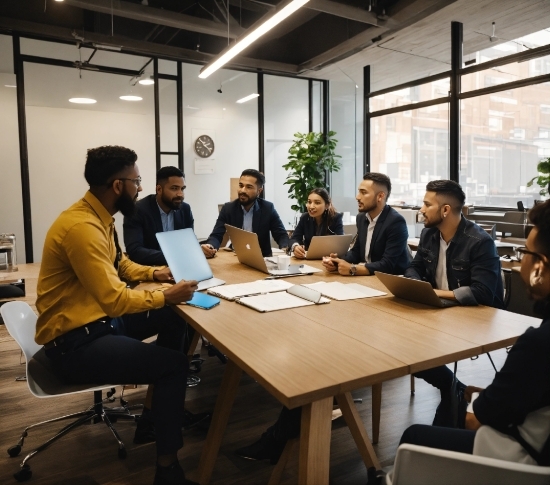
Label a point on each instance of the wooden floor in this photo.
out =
(88, 456)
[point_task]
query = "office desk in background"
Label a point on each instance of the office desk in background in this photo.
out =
(292, 353)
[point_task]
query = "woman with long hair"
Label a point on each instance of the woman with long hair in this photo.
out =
(321, 219)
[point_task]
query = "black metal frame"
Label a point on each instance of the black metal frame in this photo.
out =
(366, 119)
(454, 100)
(261, 133)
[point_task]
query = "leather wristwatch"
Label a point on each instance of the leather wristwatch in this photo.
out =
(352, 270)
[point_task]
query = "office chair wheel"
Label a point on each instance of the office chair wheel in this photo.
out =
(122, 453)
(24, 474)
(13, 451)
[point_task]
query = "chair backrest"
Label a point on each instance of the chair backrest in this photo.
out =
(418, 465)
(20, 320)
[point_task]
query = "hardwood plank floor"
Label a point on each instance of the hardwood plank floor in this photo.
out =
(88, 456)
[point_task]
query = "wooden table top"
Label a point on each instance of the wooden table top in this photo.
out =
(303, 354)
(24, 271)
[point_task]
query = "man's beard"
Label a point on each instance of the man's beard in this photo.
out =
(125, 204)
(248, 201)
(173, 204)
(368, 208)
(432, 222)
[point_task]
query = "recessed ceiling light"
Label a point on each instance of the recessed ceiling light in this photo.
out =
(247, 98)
(82, 100)
(191, 107)
(10, 85)
(131, 97)
(59, 0)
(147, 81)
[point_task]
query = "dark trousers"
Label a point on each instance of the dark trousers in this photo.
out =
(451, 439)
(122, 358)
(440, 377)
(287, 425)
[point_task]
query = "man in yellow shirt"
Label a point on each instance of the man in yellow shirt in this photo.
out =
(92, 325)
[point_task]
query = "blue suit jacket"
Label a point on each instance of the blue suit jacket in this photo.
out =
(139, 230)
(264, 221)
(307, 228)
(388, 248)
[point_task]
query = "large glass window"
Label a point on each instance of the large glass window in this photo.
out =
(503, 136)
(412, 148)
(414, 94)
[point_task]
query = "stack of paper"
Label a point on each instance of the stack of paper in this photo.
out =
(341, 291)
(295, 296)
(230, 292)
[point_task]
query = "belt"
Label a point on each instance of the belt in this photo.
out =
(91, 329)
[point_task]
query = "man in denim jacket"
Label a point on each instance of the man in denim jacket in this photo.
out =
(457, 257)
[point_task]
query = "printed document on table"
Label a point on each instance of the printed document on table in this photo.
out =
(276, 301)
(341, 291)
(230, 292)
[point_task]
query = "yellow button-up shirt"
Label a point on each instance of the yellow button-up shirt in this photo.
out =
(78, 282)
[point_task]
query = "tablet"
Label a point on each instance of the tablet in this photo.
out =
(204, 301)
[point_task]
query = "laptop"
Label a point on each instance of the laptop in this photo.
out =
(413, 290)
(185, 258)
(324, 245)
(248, 251)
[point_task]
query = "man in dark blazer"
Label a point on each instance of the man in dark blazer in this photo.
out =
(250, 213)
(381, 242)
(160, 212)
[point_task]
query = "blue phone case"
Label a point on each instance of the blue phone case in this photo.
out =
(202, 300)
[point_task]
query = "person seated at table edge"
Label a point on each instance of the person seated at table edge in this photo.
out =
(92, 325)
(384, 232)
(458, 258)
(381, 233)
(321, 219)
(160, 212)
(251, 213)
(513, 412)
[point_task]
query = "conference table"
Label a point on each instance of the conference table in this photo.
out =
(292, 354)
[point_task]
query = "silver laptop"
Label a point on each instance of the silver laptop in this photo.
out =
(413, 290)
(247, 248)
(324, 245)
(185, 258)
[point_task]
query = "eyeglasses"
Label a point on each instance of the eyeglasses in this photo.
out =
(521, 251)
(137, 182)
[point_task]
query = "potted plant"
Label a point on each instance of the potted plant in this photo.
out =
(310, 157)
(543, 178)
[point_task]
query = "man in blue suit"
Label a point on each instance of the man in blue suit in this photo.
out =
(250, 213)
(160, 212)
(381, 242)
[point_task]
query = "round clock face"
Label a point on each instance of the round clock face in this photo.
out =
(204, 146)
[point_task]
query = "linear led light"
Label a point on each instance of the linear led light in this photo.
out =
(229, 53)
(130, 97)
(247, 98)
(82, 100)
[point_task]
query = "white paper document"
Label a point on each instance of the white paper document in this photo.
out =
(341, 291)
(276, 301)
(304, 269)
(230, 292)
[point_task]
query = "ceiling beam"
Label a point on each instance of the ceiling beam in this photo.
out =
(343, 10)
(139, 47)
(250, 6)
(157, 16)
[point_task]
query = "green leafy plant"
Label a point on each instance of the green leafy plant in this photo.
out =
(310, 157)
(543, 178)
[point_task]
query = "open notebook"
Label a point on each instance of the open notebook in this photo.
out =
(293, 297)
(341, 291)
(259, 287)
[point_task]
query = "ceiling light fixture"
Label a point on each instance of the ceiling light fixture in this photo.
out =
(147, 81)
(131, 97)
(247, 98)
(10, 85)
(82, 100)
(265, 24)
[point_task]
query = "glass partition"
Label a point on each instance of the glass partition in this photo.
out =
(414, 94)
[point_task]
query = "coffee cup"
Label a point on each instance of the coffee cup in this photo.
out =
(346, 219)
(283, 262)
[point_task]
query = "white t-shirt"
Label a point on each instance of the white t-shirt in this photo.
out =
(441, 271)
(370, 231)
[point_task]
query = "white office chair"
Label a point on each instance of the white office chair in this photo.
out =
(419, 465)
(20, 322)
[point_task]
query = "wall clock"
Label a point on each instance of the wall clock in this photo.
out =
(204, 146)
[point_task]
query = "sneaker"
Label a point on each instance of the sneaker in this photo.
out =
(266, 448)
(191, 420)
(171, 475)
(145, 430)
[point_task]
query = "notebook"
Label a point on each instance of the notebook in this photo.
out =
(413, 290)
(340, 291)
(324, 245)
(185, 258)
(259, 287)
(247, 248)
(294, 297)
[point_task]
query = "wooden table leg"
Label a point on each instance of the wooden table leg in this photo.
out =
(315, 443)
(222, 410)
(376, 405)
(277, 472)
(358, 431)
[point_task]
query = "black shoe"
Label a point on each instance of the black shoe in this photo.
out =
(266, 448)
(171, 475)
(200, 420)
(145, 430)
